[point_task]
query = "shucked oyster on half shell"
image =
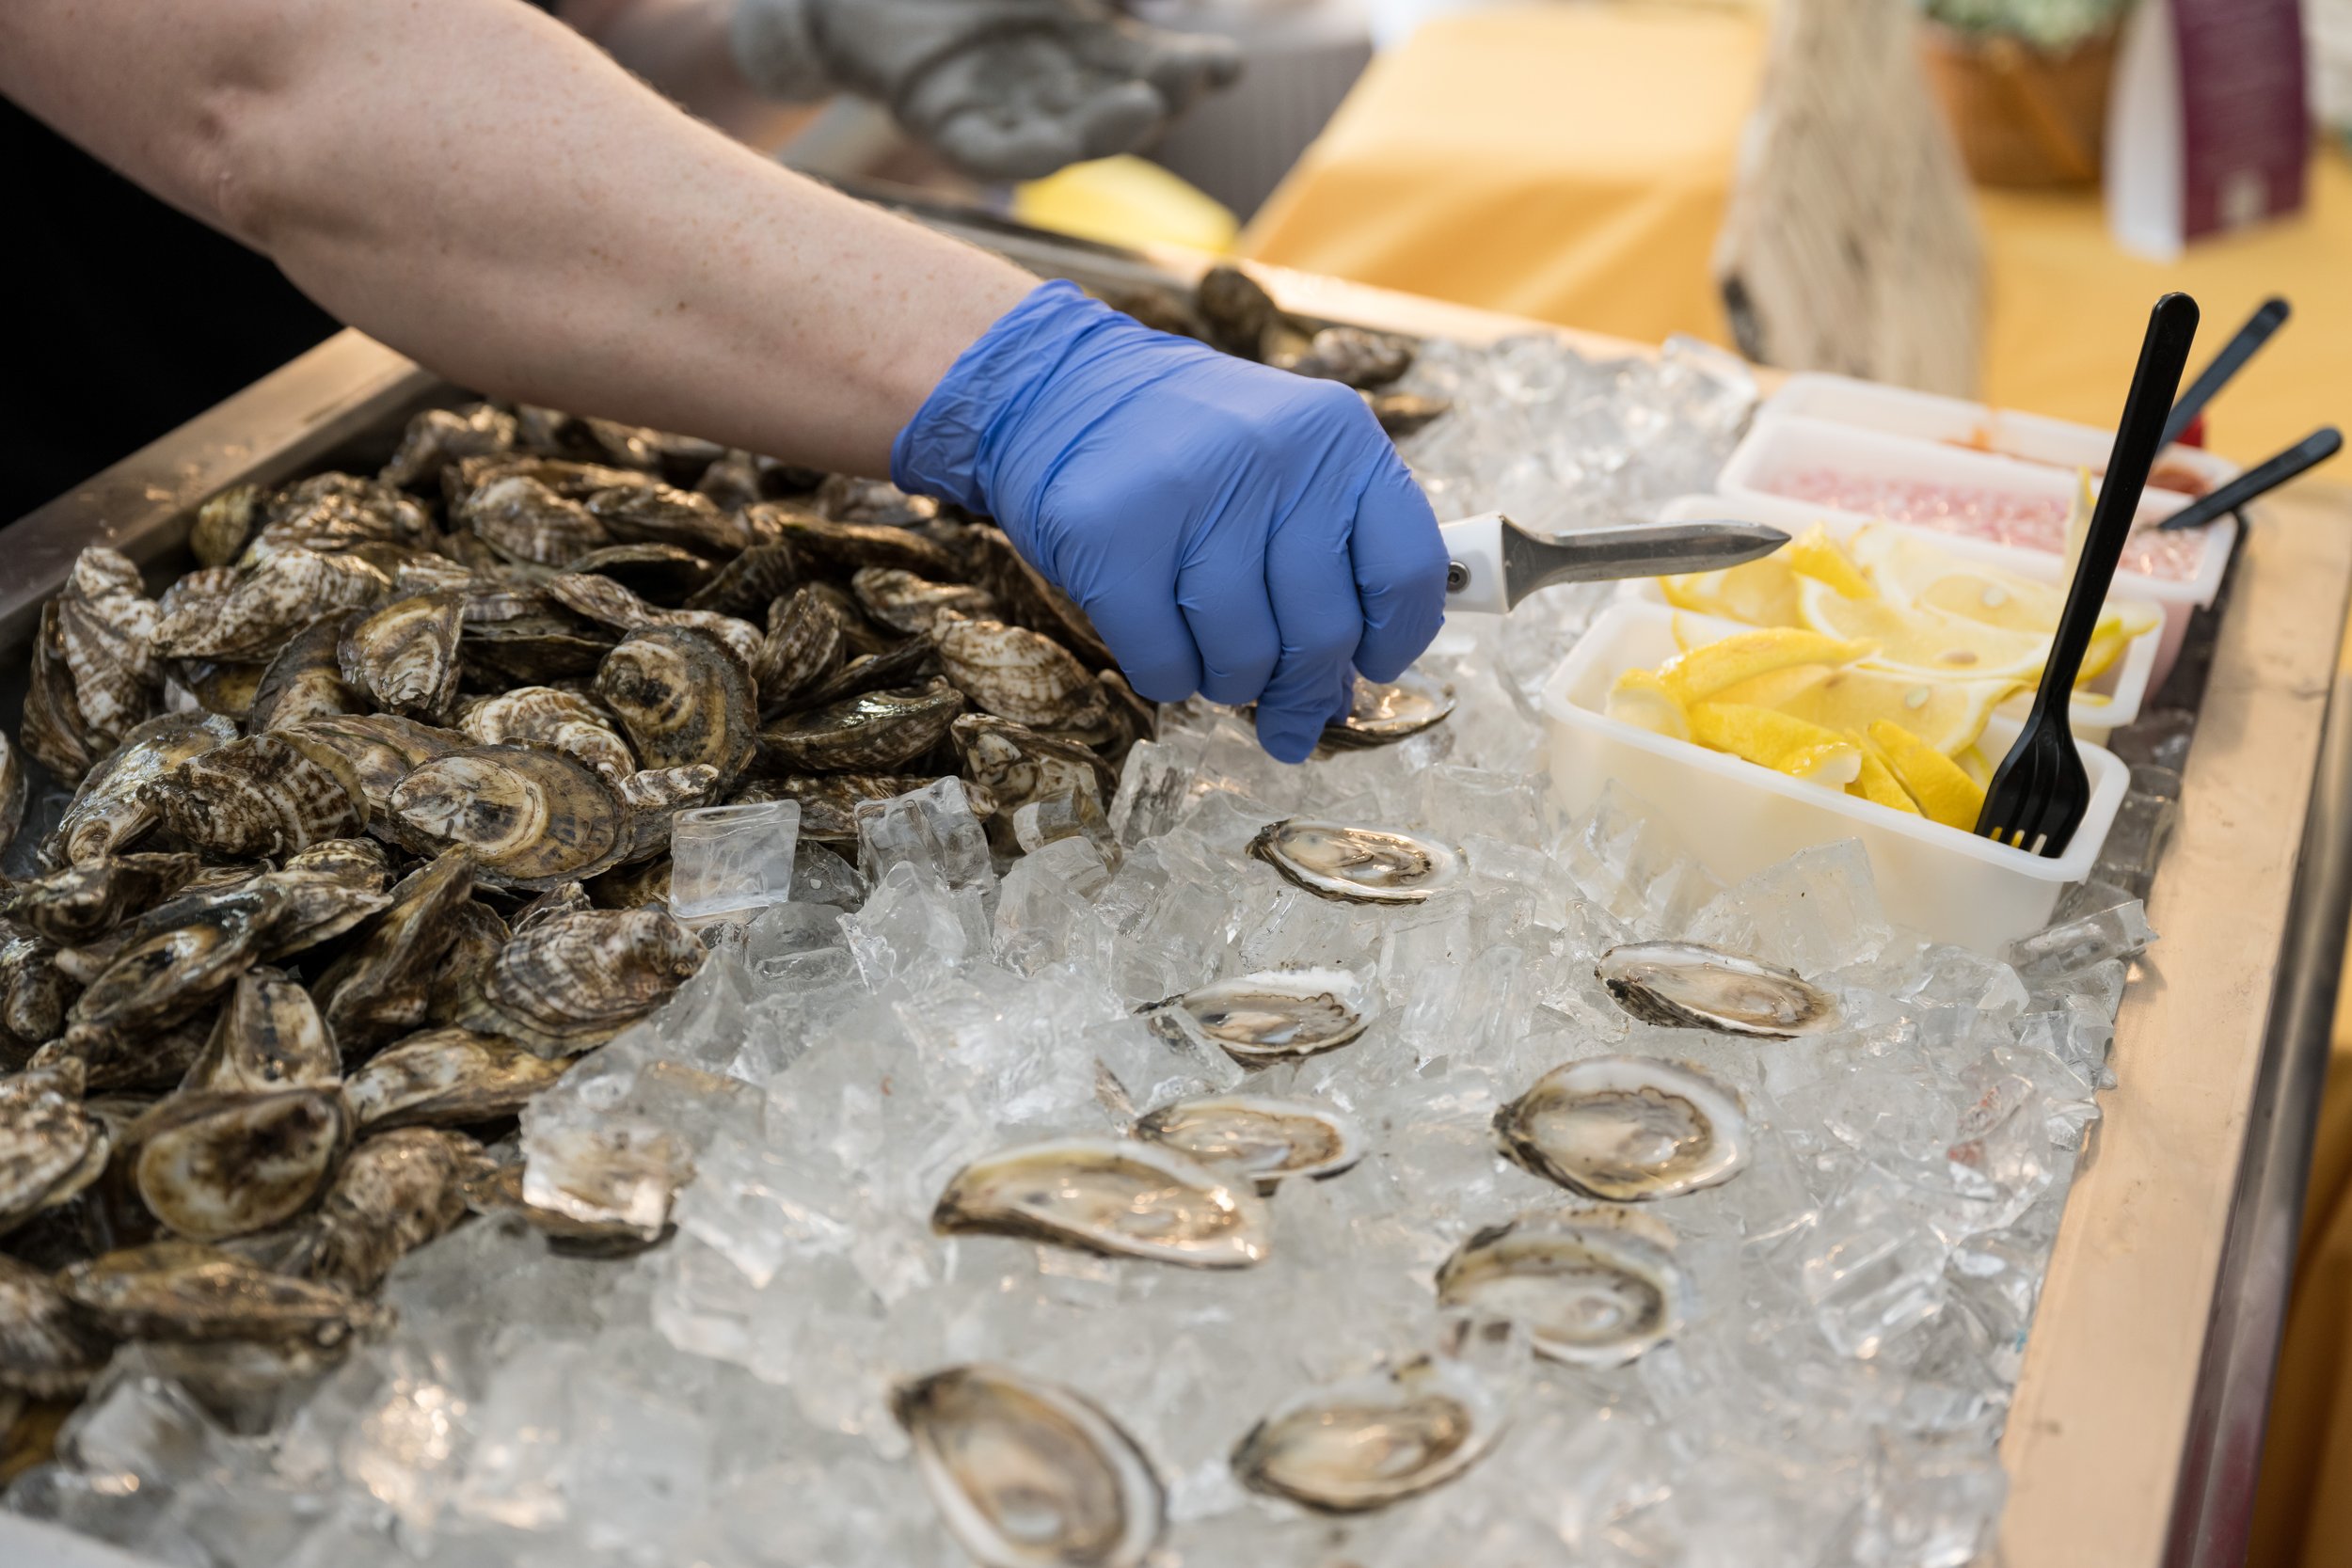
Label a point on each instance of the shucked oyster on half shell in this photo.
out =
(1118, 1196)
(1625, 1128)
(1355, 864)
(1373, 1440)
(1273, 1016)
(1683, 985)
(1028, 1474)
(1256, 1136)
(1593, 1287)
(1384, 712)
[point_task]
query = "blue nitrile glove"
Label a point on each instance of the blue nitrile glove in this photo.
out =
(1235, 531)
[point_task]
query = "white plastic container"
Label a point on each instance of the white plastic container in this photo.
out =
(1739, 818)
(2099, 706)
(1978, 426)
(1779, 444)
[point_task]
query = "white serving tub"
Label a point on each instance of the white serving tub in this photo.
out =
(1739, 818)
(1782, 442)
(1979, 427)
(2099, 706)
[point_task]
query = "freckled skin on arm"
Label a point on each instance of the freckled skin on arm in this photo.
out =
(480, 187)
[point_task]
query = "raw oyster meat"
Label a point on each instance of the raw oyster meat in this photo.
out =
(1681, 985)
(1375, 1440)
(1593, 1287)
(1272, 1016)
(1626, 1128)
(1116, 1197)
(1356, 864)
(1256, 1136)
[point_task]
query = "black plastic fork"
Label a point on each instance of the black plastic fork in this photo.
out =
(2040, 792)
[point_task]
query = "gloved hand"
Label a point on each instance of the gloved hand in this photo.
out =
(1006, 90)
(1232, 529)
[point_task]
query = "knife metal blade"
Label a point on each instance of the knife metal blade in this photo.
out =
(1493, 562)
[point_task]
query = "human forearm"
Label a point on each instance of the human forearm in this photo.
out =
(475, 185)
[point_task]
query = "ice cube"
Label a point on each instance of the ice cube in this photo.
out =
(931, 829)
(915, 928)
(1872, 1268)
(821, 877)
(1153, 789)
(1815, 911)
(2119, 931)
(731, 861)
(1066, 814)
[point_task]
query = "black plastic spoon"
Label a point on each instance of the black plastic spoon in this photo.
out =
(2319, 446)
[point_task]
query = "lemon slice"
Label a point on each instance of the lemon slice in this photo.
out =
(1973, 763)
(1643, 701)
(1948, 715)
(1924, 641)
(1700, 672)
(1876, 782)
(1945, 794)
(1760, 593)
(1817, 555)
(1776, 687)
(1774, 740)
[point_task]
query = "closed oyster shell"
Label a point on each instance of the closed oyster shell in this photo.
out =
(523, 520)
(270, 603)
(660, 513)
(33, 994)
(527, 636)
(13, 792)
(329, 512)
(905, 602)
(382, 748)
(330, 888)
(269, 1036)
(551, 716)
(439, 436)
(579, 979)
(1593, 1288)
(1403, 413)
(851, 545)
(306, 678)
(111, 811)
(803, 645)
(1257, 1137)
(163, 977)
(215, 1163)
(1029, 1474)
(188, 1291)
(853, 499)
(1681, 985)
(396, 1192)
(50, 1146)
(82, 902)
(659, 574)
(1031, 601)
(379, 990)
(868, 672)
(447, 1077)
(1019, 674)
(1349, 862)
(873, 732)
(530, 818)
(261, 795)
(602, 600)
(405, 656)
(224, 523)
(1626, 1128)
(1115, 1196)
(1017, 765)
(684, 699)
(1236, 310)
(48, 1349)
(747, 585)
(1375, 1440)
(1351, 356)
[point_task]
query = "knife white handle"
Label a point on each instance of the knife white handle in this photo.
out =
(1475, 580)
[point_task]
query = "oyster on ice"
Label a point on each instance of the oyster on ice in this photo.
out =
(1375, 1440)
(1028, 1474)
(1258, 1136)
(1626, 1128)
(1273, 1016)
(1683, 985)
(1121, 1197)
(1355, 864)
(1593, 1288)
(395, 1193)
(873, 732)
(1381, 712)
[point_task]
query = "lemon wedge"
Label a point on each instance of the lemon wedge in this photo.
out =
(1774, 740)
(1776, 687)
(1920, 641)
(1817, 555)
(1761, 593)
(1645, 702)
(1701, 672)
(1876, 782)
(1948, 715)
(1973, 763)
(1945, 794)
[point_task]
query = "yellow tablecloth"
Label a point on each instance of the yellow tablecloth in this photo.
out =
(1571, 163)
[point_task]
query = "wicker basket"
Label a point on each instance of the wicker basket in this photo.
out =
(2023, 117)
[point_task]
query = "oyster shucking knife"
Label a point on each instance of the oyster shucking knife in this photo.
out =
(1492, 563)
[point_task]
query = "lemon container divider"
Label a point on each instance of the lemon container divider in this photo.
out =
(1739, 818)
(2123, 686)
(1779, 442)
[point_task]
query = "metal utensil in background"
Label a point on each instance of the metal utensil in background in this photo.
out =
(1494, 564)
(2267, 319)
(2041, 791)
(2313, 449)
